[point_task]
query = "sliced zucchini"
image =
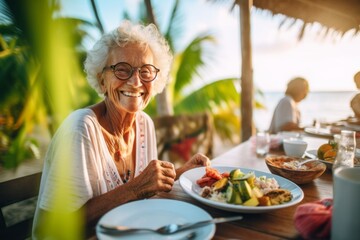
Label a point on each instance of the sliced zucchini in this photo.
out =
(230, 196)
(233, 194)
(245, 190)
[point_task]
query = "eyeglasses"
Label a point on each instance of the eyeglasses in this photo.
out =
(123, 71)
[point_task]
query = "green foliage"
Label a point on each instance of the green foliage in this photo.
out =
(213, 97)
(191, 60)
(32, 54)
(43, 84)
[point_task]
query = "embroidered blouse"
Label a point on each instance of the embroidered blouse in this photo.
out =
(78, 153)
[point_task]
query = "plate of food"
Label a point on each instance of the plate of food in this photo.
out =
(154, 213)
(313, 153)
(240, 189)
(292, 169)
(322, 132)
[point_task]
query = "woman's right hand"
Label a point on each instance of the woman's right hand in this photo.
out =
(158, 176)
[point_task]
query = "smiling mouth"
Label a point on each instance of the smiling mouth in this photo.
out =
(132, 94)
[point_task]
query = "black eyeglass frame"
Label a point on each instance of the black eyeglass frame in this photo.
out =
(113, 67)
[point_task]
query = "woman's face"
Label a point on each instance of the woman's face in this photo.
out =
(133, 94)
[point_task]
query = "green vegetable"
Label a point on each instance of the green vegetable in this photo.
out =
(233, 194)
(245, 190)
(236, 174)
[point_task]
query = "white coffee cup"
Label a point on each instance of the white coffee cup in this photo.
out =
(346, 206)
(294, 147)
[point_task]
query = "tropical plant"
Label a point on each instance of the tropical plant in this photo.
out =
(25, 98)
(49, 82)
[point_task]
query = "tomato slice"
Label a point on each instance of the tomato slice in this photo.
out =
(213, 173)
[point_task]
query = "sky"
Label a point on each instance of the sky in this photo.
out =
(327, 62)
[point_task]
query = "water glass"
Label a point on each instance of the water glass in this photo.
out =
(320, 123)
(346, 150)
(337, 138)
(262, 143)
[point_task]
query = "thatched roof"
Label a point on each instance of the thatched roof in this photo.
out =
(339, 15)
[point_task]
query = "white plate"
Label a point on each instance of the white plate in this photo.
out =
(154, 213)
(288, 134)
(188, 183)
(313, 152)
(323, 132)
(354, 127)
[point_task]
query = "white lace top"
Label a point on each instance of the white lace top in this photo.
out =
(79, 158)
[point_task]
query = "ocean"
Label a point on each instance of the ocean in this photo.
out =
(327, 106)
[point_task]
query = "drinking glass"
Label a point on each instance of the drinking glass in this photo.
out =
(346, 150)
(262, 143)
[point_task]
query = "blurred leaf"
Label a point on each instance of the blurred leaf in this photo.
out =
(212, 97)
(190, 62)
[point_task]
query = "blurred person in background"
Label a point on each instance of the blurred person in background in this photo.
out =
(355, 101)
(110, 147)
(286, 116)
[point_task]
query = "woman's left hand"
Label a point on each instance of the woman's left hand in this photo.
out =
(197, 160)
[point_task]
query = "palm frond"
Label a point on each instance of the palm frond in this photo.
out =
(175, 26)
(227, 123)
(190, 62)
(212, 97)
(5, 14)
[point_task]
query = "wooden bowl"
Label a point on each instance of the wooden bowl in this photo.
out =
(310, 171)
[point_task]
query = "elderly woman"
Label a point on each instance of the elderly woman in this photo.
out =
(110, 147)
(286, 115)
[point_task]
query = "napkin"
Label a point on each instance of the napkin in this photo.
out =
(313, 220)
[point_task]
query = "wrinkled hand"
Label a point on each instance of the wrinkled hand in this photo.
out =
(197, 160)
(158, 176)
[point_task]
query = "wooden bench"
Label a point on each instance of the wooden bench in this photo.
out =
(18, 199)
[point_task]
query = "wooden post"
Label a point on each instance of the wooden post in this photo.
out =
(247, 102)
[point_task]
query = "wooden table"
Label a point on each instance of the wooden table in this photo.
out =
(277, 224)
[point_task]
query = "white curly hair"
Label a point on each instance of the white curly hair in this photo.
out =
(127, 33)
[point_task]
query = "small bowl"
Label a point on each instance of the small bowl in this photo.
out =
(311, 171)
(294, 147)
